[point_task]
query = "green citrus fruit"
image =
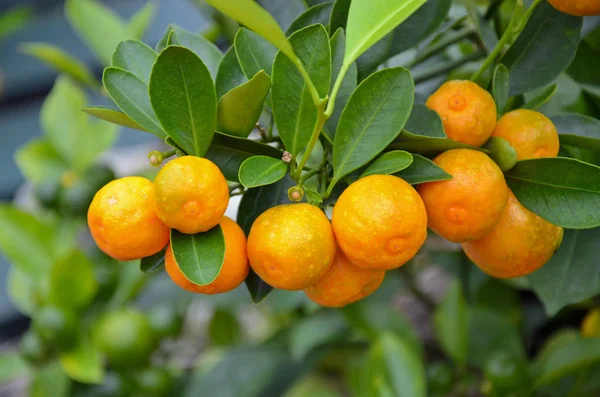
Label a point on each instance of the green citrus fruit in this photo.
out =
(505, 372)
(153, 382)
(33, 349)
(77, 192)
(165, 321)
(56, 326)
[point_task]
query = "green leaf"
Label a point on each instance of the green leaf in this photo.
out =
(165, 39)
(60, 60)
(317, 14)
(229, 152)
(130, 94)
(339, 16)
(565, 192)
(15, 18)
(23, 290)
(12, 367)
(50, 380)
(250, 14)
(254, 53)
(313, 197)
(72, 281)
(98, 26)
(549, 34)
(484, 30)
(25, 241)
(426, 145)
(501, 152)
(83, 363)
(314, 331)
(378, 53)
(224, 328)
(284, 11)
(295, 112)
(404, 367)
(135, 57)
(542, 98)
(199, 256)
(419, 25)
(183, 97)
(570, 276)
(139, 22)
(206, 51)
(338, 45)
(229, 73)
(489, 333)
(239, 109)
(451, 324)
(501, 88)
(368, 22)
(423, 170)
(151, 264)
(389, 163)
(578, 130)
(375, 114)
(570, 358)
(38, 161)
(261, 170)
(112, 116)
(70, 131)
(425, 122)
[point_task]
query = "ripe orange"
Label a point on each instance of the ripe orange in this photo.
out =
(235, 265)
(122, 219)
(519, 244)
(467, 207)
(344, 283)
(468, 112)
(191, 194)
(380, 222)
(581, 8)
(530, 133)
(590, 326)
(291, 246)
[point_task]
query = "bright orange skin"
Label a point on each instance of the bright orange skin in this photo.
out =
(191, 194)
(122, 219)
(235, 265)
(530, 133)
(380, 222)
(469, 205)
(291, 246)
(344, 283)
(581, 8)
(519, 244)
(468, 112)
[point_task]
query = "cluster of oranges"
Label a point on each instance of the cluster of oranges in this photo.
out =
(379, 222)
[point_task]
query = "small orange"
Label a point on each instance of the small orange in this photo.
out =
(580, 8)
(590, 326)
(291, 246)
(380, 222)
(468, 112)
(235, 265)
(519, 244)
(530, 133)
(122, 219)
(468, 206)
(344, 283)
(191, 194)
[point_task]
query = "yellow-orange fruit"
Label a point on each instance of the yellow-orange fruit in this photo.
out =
(468, 206)
(123, 222)
(235, 264)
(468, 112)
(590, 326)
(519, 244)
(580, 8)
(380, 222)
(291, 246)
(344, 283)
(530, 133)
(191, 194)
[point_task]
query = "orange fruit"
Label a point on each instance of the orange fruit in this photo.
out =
(468, 112)
(380, 222)
(235, 265)
(519, 244)
(590, 326)
(530, 133)
(291, 246)
(122, 219)
(581, 8)
(191, 194)
(344, 283)
(469, 205)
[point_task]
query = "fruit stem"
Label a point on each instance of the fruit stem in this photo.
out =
(334, 91)
(330, 188)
